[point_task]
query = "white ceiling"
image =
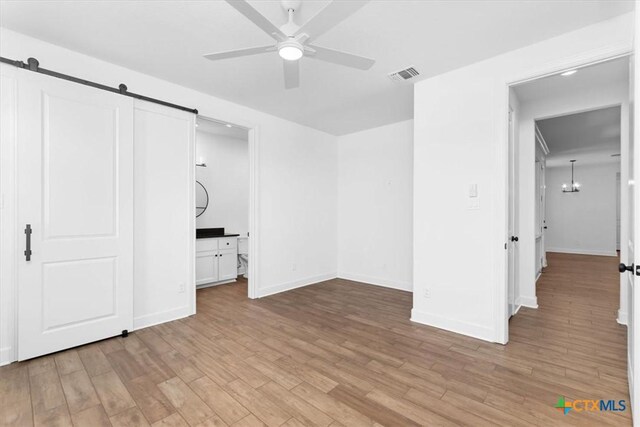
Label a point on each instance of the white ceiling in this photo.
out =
(609, 73)
(588, 137)
(168, 38)
(220, 128)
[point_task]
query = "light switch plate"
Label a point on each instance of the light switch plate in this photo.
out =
(473, 190)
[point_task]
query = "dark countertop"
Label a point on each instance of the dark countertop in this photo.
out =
(212, 233)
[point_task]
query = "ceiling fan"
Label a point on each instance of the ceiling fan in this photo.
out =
(294, 41)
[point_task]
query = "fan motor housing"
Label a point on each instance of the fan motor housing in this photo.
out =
(291, 4)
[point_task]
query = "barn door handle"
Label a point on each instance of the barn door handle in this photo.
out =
(27, 252)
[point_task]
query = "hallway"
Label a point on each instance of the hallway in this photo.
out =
(573, 340)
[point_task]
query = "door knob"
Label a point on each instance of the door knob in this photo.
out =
(514, 238)
(622, 268)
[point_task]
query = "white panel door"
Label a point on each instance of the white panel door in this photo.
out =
(75, 190)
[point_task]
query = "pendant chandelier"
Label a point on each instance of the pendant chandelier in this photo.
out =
(575, 186)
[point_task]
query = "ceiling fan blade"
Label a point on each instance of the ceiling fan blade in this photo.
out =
(257, 18)
(291, 74)
(338, 57)
(239, 52)
(334, 13)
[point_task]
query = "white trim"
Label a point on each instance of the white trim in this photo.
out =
(391, 284)
(161, 317)
(7, 356)
(283, 287)
(464, 328)
(254, 212)
(518, 307)
(622, 318)
(530, 302)
(191, 190)
(253, 138)
(540, 140)
(595, 252)
(211, 284)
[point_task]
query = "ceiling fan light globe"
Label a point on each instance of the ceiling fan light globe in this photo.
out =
(290, 53)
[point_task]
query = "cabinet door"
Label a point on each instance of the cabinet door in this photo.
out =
(206, 267)
(228, 264)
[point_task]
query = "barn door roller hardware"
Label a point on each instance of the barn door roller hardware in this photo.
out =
(32, 64)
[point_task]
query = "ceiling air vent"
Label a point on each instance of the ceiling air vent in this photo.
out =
(402, 75)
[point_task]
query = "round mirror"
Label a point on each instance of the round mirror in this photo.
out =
(202, 199)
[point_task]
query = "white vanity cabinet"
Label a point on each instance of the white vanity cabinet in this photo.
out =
(216, 260)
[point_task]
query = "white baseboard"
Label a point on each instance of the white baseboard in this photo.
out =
(596, 252)
(622, 317)
(393, 284)
(531, 302)
(7, 356)
(161, 317)
(470, 329)
(209, 285)
(283, 287)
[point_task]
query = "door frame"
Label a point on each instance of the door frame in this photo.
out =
(595, 56)
(512, 216)
(254, 198)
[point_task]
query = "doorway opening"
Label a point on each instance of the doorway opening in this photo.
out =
(565, 131)
(570, 210)
(224, 204)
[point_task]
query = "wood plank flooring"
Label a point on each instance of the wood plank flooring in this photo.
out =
(339, 354)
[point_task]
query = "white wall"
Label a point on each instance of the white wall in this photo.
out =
(226, 179)
(375, 192)
(297, 169)
(8, 240)
(596, 97)
(460, 138)
(163, 242)
(584, 222)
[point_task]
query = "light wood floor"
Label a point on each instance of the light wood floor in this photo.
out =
(339, 353)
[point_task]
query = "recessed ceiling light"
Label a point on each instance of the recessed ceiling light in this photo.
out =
(569, 73)
(228, 125)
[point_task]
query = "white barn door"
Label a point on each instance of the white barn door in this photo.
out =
(75, 193)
